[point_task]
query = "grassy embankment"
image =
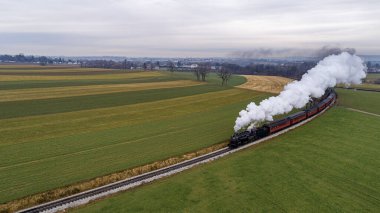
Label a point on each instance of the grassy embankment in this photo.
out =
(57, 141)
(328, 165)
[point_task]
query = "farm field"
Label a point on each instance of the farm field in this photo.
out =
(361, 100)
(367, 86)
(273, 84)
(76, 76)
(328, 165)
(102, 78)
(58, 92)
(36, 67)
(373, 76)
(70, 135)
(369, 82)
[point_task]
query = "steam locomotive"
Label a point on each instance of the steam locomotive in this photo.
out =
(241, 138)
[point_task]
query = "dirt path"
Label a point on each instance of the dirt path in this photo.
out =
(271, 84)
(368, 113)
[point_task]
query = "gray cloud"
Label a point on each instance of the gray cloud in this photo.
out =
(330, 50)
(270, 53)
(289, 52)
(185, 28)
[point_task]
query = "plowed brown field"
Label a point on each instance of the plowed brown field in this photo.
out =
(272, 84)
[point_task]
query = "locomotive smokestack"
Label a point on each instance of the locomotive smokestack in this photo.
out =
(335, 69)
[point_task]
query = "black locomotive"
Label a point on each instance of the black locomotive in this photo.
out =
(241, 138)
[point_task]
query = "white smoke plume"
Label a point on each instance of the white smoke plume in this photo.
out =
(317, 54)
(344, 68)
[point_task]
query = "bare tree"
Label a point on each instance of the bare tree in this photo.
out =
(151, 65)
(171, 66)
(157, 65)
(204, 69)
(197, 73)
(225, 75)
(124, 66)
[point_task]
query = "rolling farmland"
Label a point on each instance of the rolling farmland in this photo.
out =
(328, 165)
(83, 126)
(372, 77)
(361, 100)
(369, 82)
(364, 86)
(189, 106)
(59, 92)
(273, 84)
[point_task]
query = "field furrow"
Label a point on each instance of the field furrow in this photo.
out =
(13, 109)
(110, 150)
(59, 92)
(78, 77)
(328, 165)
(59, 130)
(272, 84)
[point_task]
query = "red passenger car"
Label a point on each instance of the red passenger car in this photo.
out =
(276, 126)
(297, 117)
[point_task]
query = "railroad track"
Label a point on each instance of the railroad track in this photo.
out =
(87, 196)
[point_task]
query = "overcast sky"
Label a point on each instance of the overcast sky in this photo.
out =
(195, 28)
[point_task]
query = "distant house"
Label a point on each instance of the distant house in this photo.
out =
(193, 66)
(216, 67)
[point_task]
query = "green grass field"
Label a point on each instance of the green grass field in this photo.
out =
(361, 100)
(328, 165)
(373, 76)
(54, 142)
(368, 83)
(11, 85)
(367, 86)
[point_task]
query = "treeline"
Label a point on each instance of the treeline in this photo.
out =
(125, 64)
(42, 60)
(107, 64)
(225, 70)
(289, 70)
(373, 66)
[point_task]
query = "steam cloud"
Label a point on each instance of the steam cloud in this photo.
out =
(335, 69)
(291, 52)
(332, 50)
(266, 53)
